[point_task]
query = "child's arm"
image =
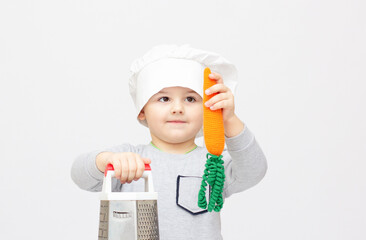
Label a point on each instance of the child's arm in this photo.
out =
(245, 162)
(85, 173)
(87, 169)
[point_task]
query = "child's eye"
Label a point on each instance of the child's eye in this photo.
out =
(191, 99)
(163, 99)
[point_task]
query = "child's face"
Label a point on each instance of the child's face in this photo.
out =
(174, 114)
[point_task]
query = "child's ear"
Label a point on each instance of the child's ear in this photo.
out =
(141, 115)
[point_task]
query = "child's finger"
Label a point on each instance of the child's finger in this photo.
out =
(132, 168)
(215, 99)
(117, 167)
(146, 160)
(216, 76)
(217, 88)
(124, 170)
(140, 168)
(220, 104)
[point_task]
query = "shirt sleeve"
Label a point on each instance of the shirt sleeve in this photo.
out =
(245, 163)
(86, 175)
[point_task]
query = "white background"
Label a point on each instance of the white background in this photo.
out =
(64, 68)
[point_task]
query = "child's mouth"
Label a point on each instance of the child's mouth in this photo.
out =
(176, 122)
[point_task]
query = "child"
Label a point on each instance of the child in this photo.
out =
(167, 86)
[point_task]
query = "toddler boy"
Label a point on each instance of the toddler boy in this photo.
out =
(167, 86)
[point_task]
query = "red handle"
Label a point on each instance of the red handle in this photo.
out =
(110, 167)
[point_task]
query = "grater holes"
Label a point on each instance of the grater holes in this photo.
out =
(148, 228)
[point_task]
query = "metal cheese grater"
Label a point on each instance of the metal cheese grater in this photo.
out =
(128, 215)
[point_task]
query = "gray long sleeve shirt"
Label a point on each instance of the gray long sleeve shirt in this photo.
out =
(177, 179)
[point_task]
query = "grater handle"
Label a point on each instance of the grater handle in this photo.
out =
(110, 167)
(109, 173)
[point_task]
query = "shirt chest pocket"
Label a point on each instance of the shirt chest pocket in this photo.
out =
(187, 193)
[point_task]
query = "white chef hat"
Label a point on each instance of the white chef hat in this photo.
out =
(170, 65)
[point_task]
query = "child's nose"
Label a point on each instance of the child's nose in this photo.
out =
(177, 108)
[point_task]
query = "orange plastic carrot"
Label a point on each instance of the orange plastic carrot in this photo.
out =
(213, 125)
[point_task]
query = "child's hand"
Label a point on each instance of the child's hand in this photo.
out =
(224, 99)
(127, 166)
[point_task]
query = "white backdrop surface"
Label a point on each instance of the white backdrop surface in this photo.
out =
(64, 67)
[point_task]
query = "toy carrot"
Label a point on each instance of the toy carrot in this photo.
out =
(214, 135)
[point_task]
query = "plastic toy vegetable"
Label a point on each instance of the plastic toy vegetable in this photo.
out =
(214, 135)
